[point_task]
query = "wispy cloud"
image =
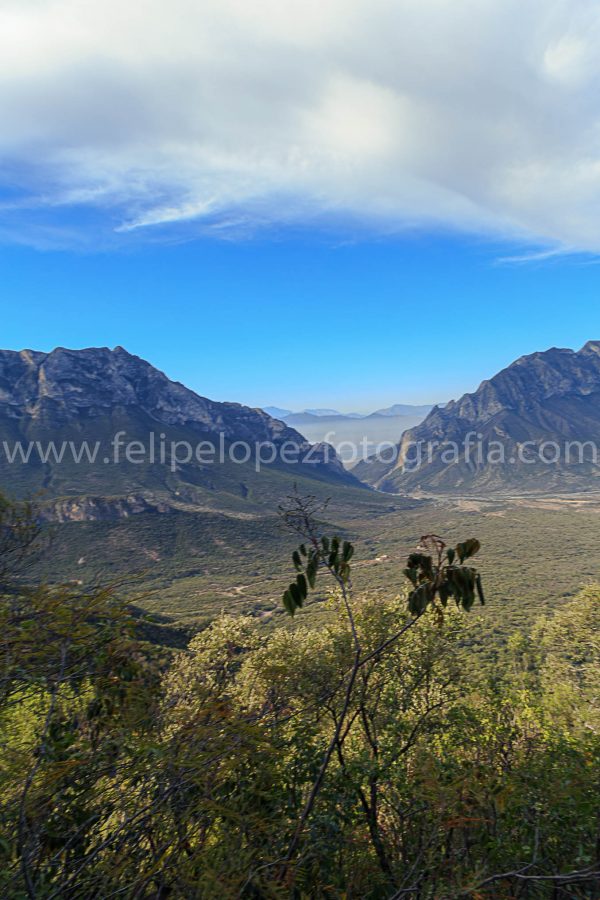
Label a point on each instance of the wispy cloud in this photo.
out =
(475, 115)
(163, 215)
(534, 256)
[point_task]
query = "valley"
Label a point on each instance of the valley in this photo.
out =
(537, 552)
(185, 539)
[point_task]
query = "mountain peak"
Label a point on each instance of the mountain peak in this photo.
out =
(591, 347)
(550, 397)
(96, 389)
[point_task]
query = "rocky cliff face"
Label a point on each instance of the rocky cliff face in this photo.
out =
(89, 395)
(59, 387)
(100, 509)
(545, 397)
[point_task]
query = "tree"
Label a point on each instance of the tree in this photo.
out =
(371, 756)
(436, 574)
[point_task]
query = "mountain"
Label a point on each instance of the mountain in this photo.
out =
(276, 412)
(54, 404)
(404, 409)
(399, 409)
(534, 427)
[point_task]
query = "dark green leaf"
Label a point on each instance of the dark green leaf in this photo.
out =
(412, 575)
(480, 590)
(420, 599)
(421, 561)
(467, 549)
(347, 551)
(311, 571)
(445, 592)
(302, 586)
(288, 602)
(295, 592)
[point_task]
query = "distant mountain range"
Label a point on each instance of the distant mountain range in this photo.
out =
(404, 409)
(48, 400)
(534, 427)
(399, 409)
(354, 435)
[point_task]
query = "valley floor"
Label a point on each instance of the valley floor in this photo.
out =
(536, 553)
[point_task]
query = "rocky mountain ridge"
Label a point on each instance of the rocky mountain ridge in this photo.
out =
(91, 395)
(551, 396)
(59, 386)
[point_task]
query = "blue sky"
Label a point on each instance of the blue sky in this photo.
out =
(343, 203)
(302, 320)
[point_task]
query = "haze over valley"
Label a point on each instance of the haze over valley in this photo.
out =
(355, 436)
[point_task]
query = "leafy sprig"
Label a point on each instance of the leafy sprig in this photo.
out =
(438, 572)
(331, 554)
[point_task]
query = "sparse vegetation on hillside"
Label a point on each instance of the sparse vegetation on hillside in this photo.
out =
(193, 566)
(127, 771)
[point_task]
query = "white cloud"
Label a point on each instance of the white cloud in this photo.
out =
(473, 114)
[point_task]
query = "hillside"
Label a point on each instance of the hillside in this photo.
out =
(517, 433)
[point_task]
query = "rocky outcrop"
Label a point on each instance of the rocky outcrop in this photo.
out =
(64, 385)
(100, 509)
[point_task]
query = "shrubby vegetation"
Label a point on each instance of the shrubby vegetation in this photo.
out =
(372, 757)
